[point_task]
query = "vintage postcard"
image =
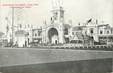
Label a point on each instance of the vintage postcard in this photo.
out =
(56, 36)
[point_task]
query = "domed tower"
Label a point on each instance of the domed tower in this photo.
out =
(55, 31)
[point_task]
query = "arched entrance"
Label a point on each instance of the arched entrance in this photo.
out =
(53, 36)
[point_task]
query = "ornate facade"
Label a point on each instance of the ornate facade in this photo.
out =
(54, 33)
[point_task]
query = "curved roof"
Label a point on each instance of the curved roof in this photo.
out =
(21, 33)
(67, 26)
(77, 28)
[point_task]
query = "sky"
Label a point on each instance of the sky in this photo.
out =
(78, 11)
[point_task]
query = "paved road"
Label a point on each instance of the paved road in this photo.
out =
(25, 56)
(32, 60)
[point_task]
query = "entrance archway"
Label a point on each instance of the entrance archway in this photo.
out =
(53, 35)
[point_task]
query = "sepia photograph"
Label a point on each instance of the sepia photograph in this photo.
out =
(56, 36)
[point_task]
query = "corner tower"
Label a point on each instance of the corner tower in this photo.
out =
(57, 13)
(55, 31)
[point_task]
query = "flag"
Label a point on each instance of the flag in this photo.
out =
(89, 20)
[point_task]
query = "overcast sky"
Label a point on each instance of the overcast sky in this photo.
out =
(75, 10)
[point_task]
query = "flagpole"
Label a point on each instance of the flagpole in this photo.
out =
(12, 26)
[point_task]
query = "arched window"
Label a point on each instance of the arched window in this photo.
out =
(101, 32)
(107, 32)
(91, 31)
(35, 34)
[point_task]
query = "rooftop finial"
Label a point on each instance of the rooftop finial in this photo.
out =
(57, 3)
